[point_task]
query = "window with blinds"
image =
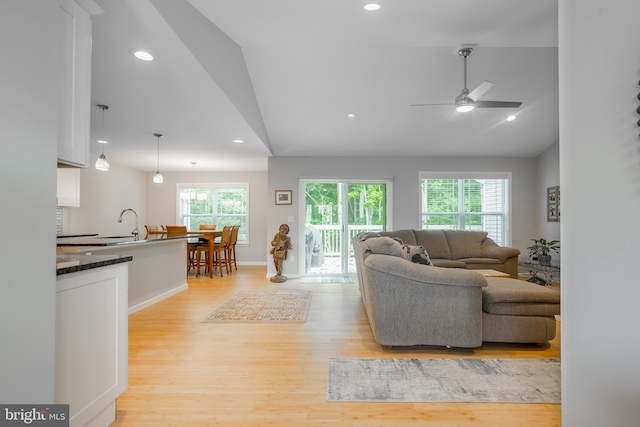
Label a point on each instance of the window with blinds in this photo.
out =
(216, 203)
(466, 202)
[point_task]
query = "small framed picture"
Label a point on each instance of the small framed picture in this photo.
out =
(283, 197)
(552, 212)
(553, 204)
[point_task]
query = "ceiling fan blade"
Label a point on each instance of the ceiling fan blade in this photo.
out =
(480, 90)
(428, 105)
(497, 104)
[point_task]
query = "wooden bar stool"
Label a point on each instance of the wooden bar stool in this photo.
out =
(221, 250)
(232, 247)
(202, 247)
(181, 230)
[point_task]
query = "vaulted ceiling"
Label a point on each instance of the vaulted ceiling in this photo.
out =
(282, 75)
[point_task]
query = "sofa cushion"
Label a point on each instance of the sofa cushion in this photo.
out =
(406, 236)
(471, 261)
(465, 244)
(435, 243)
(447, 263)
(385, 245)
(518, 297)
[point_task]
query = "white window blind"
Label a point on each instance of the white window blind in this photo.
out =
(215, 203)
(466, 202)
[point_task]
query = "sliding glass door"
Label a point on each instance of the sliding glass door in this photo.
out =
(335, 211)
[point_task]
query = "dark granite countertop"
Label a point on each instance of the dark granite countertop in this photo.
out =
(88, 262)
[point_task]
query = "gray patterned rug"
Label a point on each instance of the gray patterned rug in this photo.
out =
(444, 380)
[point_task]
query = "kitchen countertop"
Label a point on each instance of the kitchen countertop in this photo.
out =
(88, 262)
(110, 240)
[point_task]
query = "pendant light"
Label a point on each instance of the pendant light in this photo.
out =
(102, 164)
(192, 193)
(157, 178)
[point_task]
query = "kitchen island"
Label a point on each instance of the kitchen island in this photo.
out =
(158, 269)
(91, 363)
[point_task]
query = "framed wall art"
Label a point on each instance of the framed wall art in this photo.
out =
(283, 197)
(553, 204)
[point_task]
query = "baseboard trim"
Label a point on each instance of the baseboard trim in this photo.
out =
(157, 298)
(288, 276)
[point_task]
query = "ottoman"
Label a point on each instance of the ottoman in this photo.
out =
(516, 311)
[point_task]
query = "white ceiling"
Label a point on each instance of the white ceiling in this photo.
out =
(309, 64)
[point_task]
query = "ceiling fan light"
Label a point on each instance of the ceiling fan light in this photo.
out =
(464, 104)
(464, 108)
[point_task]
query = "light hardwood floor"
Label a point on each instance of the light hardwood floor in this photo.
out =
(186, 373)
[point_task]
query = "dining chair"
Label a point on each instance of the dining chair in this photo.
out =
(203, 248)
(220, 250)
(181, 230)
(150, 228)
(231, 251)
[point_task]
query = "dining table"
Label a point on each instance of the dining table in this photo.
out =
(211, 236)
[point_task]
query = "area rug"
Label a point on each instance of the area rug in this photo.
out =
(326, 279)
(266, 306)
(444, 380)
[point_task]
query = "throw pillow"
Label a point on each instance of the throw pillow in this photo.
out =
(367, 235)
(386, 246)
(416, 254)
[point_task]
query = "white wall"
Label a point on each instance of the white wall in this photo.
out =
(600, 180)
(28, 111)
(162, 206)
(548, 176)
(285, 172)
(103, 195)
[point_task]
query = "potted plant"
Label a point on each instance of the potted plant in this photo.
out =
(541, 249)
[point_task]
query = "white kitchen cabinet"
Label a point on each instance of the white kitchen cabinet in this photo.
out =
(91, 343)
(68, 185)
(74, 113)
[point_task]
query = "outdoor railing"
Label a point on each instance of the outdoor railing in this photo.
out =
(331, 235)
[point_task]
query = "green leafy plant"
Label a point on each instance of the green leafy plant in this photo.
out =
(542, 247)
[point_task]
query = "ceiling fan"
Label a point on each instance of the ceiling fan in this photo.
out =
(467, 100)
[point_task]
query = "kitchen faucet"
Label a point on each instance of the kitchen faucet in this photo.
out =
(135, 231)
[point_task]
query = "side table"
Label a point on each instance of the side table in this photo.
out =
(541, 274)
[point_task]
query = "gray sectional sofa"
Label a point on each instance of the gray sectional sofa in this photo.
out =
(410, 304)
(471, 250)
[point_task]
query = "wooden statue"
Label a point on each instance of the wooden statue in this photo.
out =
(281, 244)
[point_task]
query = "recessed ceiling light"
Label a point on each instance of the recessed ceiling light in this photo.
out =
(351, 116)
(372, 6)
(142, 55)
(238, 141)
(511, 118)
